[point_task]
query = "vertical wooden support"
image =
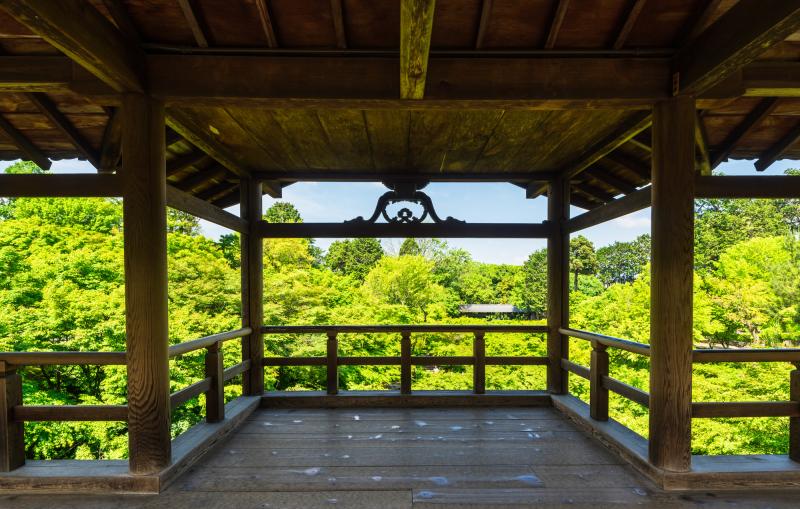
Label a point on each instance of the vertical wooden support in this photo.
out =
(145, 233)
(557, 285)
(672, 284)
(794, 422)
(405, 362)
(598, 394)
(333, 363)
(215, 397)
(479, 367)
(12, 440)
(252, 247)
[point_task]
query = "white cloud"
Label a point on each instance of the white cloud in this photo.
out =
(632, 222)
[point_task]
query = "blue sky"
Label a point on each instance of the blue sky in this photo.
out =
(335, 202)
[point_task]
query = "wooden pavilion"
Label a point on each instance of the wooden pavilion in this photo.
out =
(608, 105)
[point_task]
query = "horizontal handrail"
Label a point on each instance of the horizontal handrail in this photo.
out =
(28, 413)
(180, 397)
(746, 355)
(577, 369)
(63, 358)
(621, 344)
(627, 391)
(416, 360)
(205, 342)
(343, 329)
(746, 409)
(235, 370)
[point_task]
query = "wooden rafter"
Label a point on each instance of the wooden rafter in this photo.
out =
(630, 22)
(181, 200)
(555, 24)
(581, 200)
(337, 15)
(607, 145)
(171, 137)
(192, 182)
(744, 32)
(631, 164)
(701, 142)
(266, 23)
(230, 198)
(775, 152)
(593, 191)
(79, 30)
(700, 20)
(122, 19)
(195, 22)
(111, 149)
(753, 119)
(611, 180)
(416, 28)
(483, 24)
(49, 109)
(24, 144)
(217, 190)
(179, 164)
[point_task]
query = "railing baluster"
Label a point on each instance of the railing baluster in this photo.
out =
(479, 366)
(794, 422)
(12, 440)
(333, 363)
(598, 394)
(215, 397)
(405, 362)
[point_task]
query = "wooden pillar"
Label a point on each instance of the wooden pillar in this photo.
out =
(479, 366)
(332, 363)
(252, 256)
(12, 440)
(672, 273)
(794, 422)
(557, 285)
(598, 394)
(145, 225)
(405, 362)
(215, 396)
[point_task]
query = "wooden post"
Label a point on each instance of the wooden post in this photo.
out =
(479, 367)
(557, 285)
(145, 233)
(215, 397)
(598, 394)
(333, 364)
(12, 440)
(252, 287)
(672, 284)
(794, 422)
(405, 362)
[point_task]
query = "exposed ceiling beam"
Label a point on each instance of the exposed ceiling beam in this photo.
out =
(266, 23)
(122, 19)
(63, 124)
(356, 175)
(195, 22)
(180, 163)
(217, 190)
(483, 24)
(630, 22)
(755, 117)
(337, 16)
(593, 191)
(700, 20)
(611, 180)
(195, 180)
(24, 144)
(744, 32)
(79, 30)
(111, 150)
(555, 25)
(701, 147)
(580, 200)
(775, 152)
(632, 164)
(416, 27)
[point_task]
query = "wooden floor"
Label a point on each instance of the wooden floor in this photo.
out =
(399, 458)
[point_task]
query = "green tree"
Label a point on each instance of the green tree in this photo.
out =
(409, 247)
(533, 294)
(582, 258)
(354, 257)
(282, 212)
(406, 281)
(622, 262)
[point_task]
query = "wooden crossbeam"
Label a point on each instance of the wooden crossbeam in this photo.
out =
(195, 180)
(607, 145)
(587, 203)
(555, 25)
(483, 24)
(701, 142)
(79, 30)
(593, 191)
(61, 185)
(199, 137)
(111, 150)
(700, 20)
(180, 200)
(424, 230)
(755, 117)
(611, 180)
(416, 27)
(363, 175)
(49, 109)
(122, 19)
(266, 23)
(775, 152)
(337, 17)
(744, 32)
(620, 207)
(630, 163)
(180, 163)
(195, 22)
(630, 21)
(24, 144)
(216, 191)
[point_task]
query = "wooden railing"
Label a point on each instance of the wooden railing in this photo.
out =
(478, 360)
(600, 383)
(13, 413)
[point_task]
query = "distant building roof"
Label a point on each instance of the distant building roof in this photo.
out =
(488, 309)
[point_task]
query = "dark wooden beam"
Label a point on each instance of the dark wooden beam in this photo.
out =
(630, 163)
(620, 207)
(630, 22)
(49, 109)
(558, 203)
(611, 180)
(593, 191)
(483, 24)
(762, 110)
(195, 22)
(744, 32)
(266, 23)
(395, 230)
(555, 25)
(580, 200)
(337, 16)
(180, 200)
(111, 150)
(79, 30)
(196, 180)
(200, 137)
(171, 137)
(216, 190)
(180, 163)
(24, 144)
(61, 185)
(228, 199)
(357, 175)
(699, 22)
(778, 186)
(416, 27)
(122, 19)
(252, 287)
(701, 143)
(775, 152)
(36, 73)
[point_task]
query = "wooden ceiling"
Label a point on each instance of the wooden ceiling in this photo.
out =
(603, 146)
